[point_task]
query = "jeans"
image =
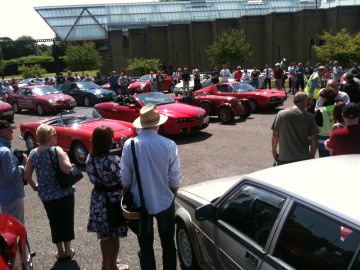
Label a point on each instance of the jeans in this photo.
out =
(166, 227)
(186, 88)
(255, 83)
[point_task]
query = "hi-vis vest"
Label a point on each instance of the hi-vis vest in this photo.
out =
(314, 76)
(328, 122)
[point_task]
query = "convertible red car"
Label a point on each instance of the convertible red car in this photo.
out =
(258, 98)
(183, 118)
(74, 133)
(41, 98)
(142, 85)
(6, 111)
(226, 108)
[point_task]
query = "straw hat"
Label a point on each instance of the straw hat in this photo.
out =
(149, 117)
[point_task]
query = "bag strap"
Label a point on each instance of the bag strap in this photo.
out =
(53, 150)
(138, 179)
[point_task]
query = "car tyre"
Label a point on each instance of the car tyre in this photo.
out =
(16, 108)
(87, 101)
(40, 109)
(29, 255)
(248, 111)
(79, 153)
(206, 106)
(30, 141)
(185, 249)
(253, 105)
(226, 115)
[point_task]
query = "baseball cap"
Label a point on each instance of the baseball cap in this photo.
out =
(5, 124)
(351, 110)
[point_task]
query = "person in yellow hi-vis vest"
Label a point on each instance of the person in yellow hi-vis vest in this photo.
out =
(324, 118)
(314, 84)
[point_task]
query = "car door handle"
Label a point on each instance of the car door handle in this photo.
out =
(251, 258)
(114, 110)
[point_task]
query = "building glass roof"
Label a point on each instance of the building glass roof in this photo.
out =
(91, 22)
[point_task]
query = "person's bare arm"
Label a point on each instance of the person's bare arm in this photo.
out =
(28, 175)
(313, 147)
(64, 161)
(274, 144)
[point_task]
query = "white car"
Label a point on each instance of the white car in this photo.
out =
(284, 217)
(179, 86)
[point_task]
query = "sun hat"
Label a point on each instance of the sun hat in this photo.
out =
(149, 117)
(351, 110)
(5, 124)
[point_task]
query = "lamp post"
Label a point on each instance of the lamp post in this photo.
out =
(316, 23)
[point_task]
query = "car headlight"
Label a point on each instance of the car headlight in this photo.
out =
(99, 96)
(72, 102)
(52, 102)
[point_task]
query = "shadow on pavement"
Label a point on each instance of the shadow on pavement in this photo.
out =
(66, 265)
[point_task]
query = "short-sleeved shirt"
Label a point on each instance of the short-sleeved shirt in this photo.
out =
(345, 141)
(294, 127)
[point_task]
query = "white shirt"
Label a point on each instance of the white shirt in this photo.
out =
(224, 75)
(341, 96)
(246, 77)
(159, 166)
(268, 72)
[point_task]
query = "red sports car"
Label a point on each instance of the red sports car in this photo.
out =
(183, 118)
(226, 108)
(74, 133)
(258, 98)
(41, 98)
(142, 85)
(6, 111)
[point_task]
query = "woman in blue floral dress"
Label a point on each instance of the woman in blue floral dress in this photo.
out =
(104, 173)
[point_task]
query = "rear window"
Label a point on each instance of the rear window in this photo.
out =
(311, 240)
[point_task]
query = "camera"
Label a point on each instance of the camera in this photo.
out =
(19, 155)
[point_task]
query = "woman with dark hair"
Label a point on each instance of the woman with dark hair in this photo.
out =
(104, 173)
(337, 113)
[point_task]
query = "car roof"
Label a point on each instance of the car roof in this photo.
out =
(331, 183)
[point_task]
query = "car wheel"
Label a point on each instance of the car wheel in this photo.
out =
(206, 106)
(171, 89)
(87, 102)
(226, 115)
(30, 141)
(185, 250)
(16, 108)
(40, 109)
(253, 105)
(247, 111)
(79, 153)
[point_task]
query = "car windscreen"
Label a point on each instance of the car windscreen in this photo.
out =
(155, 99)
(87, 85)
(144, 78)
(72, 117)
(42, 91)
(243, 87)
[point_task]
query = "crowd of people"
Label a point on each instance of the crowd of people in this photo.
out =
(325, 116)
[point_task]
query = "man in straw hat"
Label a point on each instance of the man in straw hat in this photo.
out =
(160, 175)
(11, 175)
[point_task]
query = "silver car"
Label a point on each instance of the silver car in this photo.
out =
(302, 215)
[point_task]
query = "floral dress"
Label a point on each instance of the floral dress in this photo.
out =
(107, 174)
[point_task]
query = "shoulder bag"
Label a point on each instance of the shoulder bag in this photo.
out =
(65, 180)
(113, 210)
(138, 219)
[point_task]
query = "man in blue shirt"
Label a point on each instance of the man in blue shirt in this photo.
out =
(159, 169)
(11, 175)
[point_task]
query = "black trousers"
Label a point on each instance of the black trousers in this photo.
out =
(60, 213)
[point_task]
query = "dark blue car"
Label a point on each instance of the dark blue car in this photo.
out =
(87, 93)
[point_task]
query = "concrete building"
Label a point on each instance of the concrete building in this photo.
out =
(180, 32)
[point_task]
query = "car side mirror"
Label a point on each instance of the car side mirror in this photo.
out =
(207, 211)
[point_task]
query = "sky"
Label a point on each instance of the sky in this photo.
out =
(19, 17)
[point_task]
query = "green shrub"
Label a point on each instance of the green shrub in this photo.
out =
(31, 71)
(143, 66)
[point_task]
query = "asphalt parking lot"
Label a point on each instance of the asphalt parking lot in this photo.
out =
(218, 151)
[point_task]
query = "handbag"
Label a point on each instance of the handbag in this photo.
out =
(113, 209)
(64, 180)
(138, 219)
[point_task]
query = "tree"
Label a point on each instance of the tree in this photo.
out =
(231, 48)
(341, 47)
(24, 46)
(82, 57)
(143, 66)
